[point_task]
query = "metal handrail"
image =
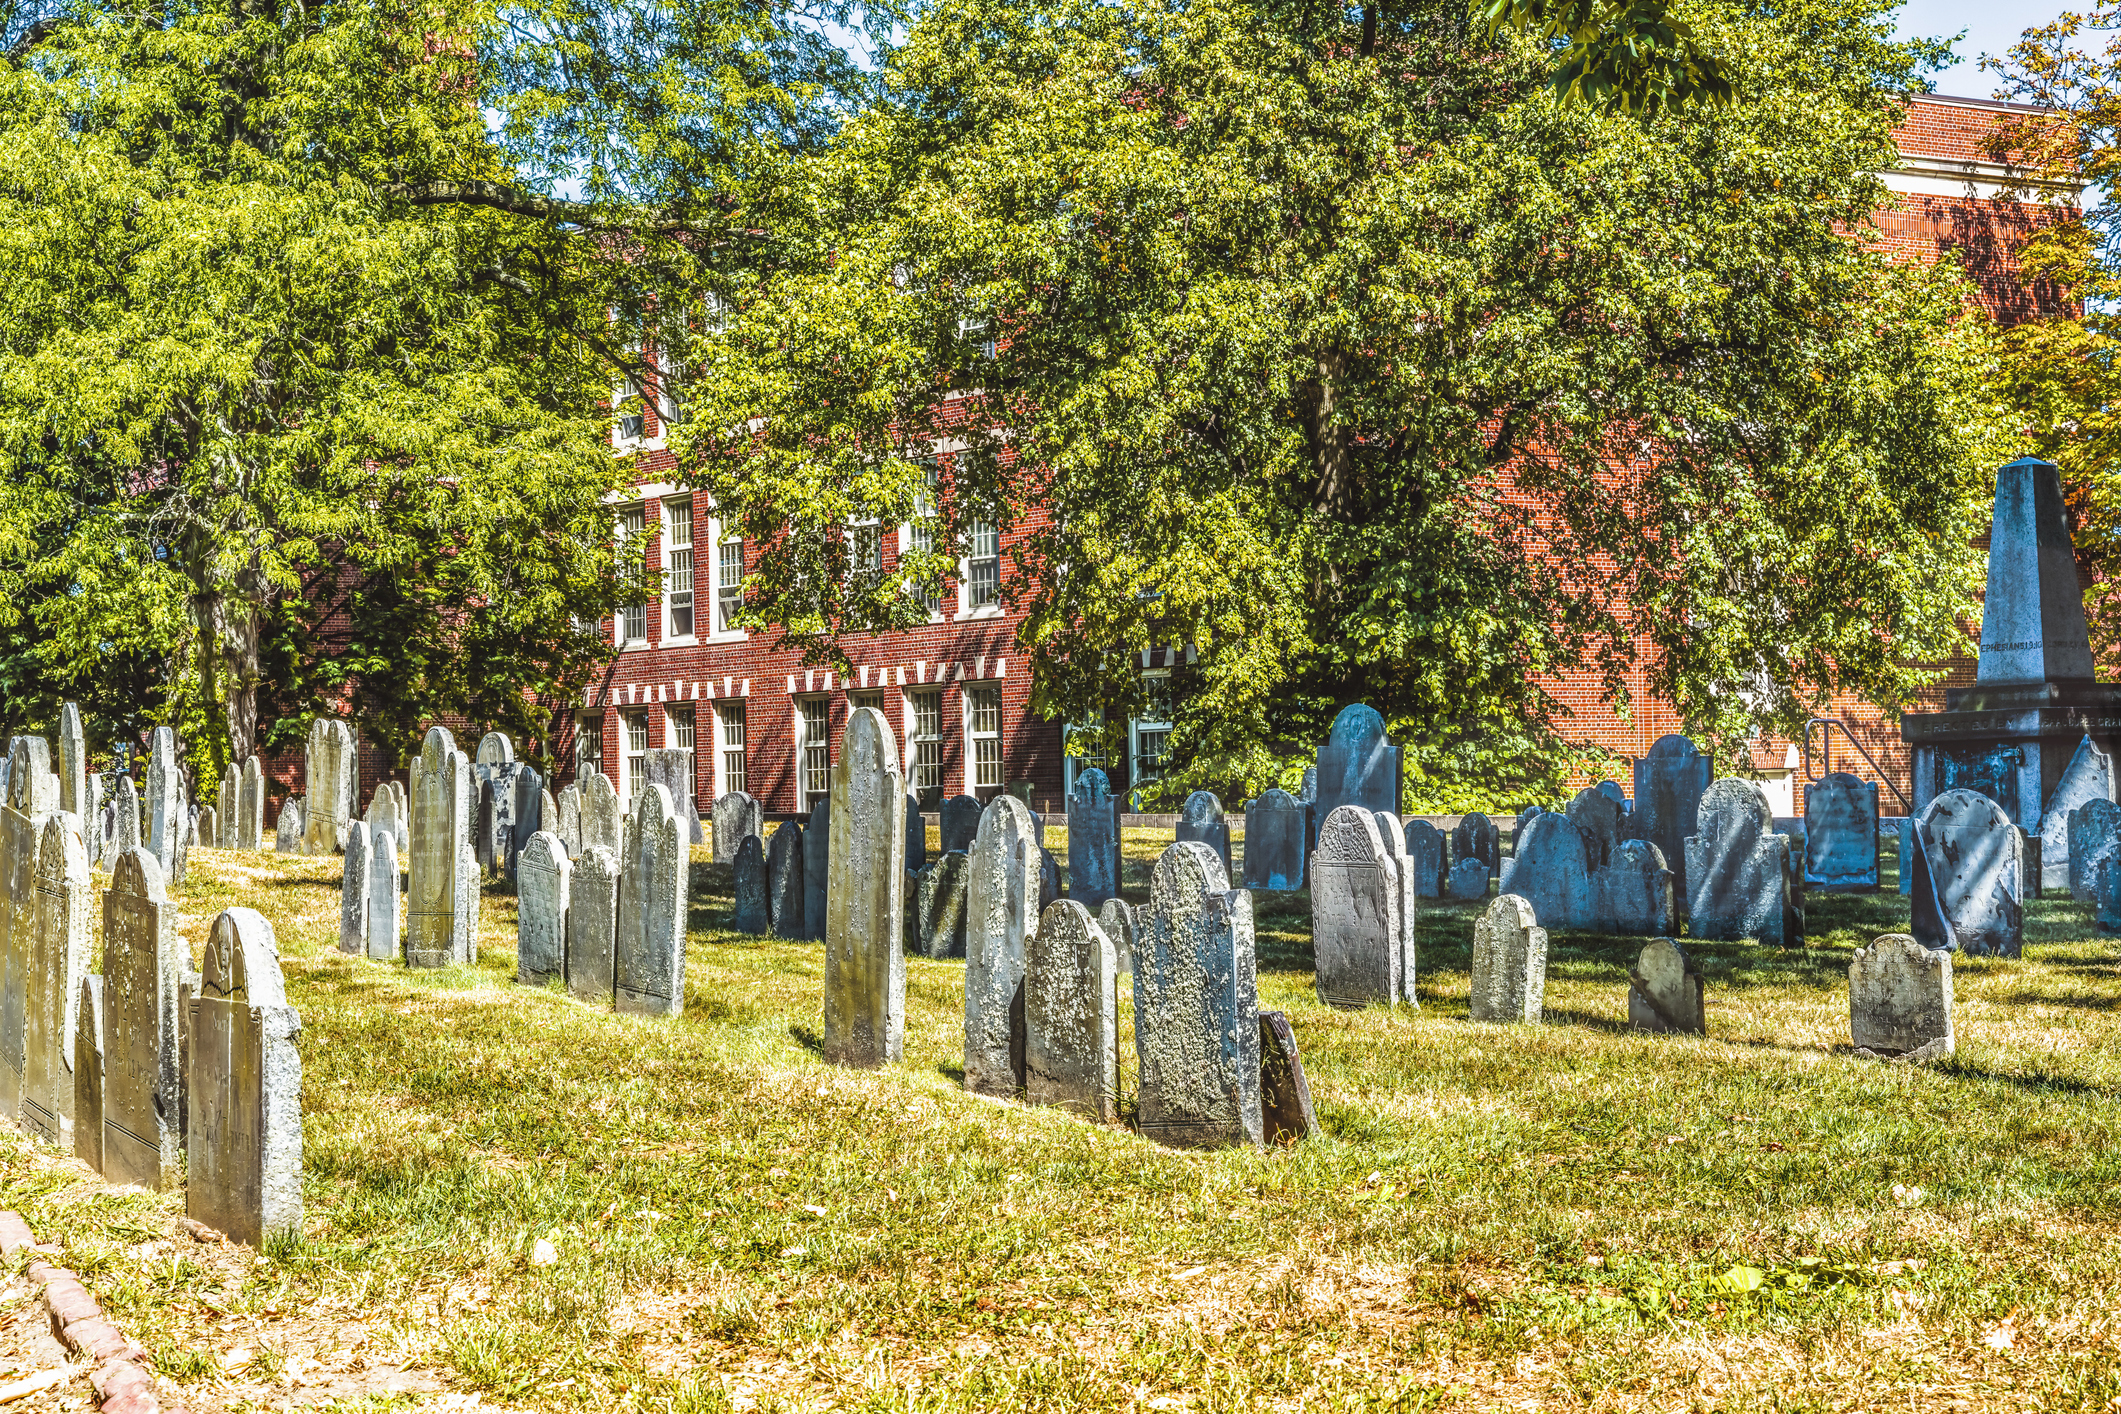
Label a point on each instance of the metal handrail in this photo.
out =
(1827, 755)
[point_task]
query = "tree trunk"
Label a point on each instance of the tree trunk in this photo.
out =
(1334, 493)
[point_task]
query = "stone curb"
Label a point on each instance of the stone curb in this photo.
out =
(121, 1379)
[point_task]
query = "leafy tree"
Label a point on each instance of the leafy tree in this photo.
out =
(1367, 368)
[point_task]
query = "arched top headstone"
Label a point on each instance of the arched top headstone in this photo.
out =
(1613, 791)
(1731, 805)
(1965, 809)
(495, 749)
(1309, 789)
(1349, 836)
(1202, 808)
(1673, 747)
(868, 745)
(434, 750)
(1187, 870)
(138, 874)
(60, 853)
(1275, 798)
(1358, 725)
(243, 960)
(653, 808)
(1092, 787)
(29, 767)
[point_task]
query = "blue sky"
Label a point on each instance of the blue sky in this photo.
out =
(1991, 28)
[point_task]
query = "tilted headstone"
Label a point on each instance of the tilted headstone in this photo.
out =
(1196, 1007)
(1426, 848)
(939, 906)
(440, 916)
(1093, 839)
(568, 806)
(961, 816)
(1633, 894)
(1509, 962)
(1202, 819)
(167, 816)
(1276, 842)
(86, 1075)
(1307, 796)
(58, 962)
(1358, 765)
(2094, 829)
(748, 876)
(227, 805)
(735, 816)
(1001, 899)
(1900, 998)
(243, 1086)
(1071, 1014)
(1468, 881)
(671, 768)
(1739, 870)
(1597, 816)
(128, 816)
(593, 925)
(1475, 837)
(784, 880)
(250, 806)
(1669, 784)
(1285, 1095)
(1968, 881)
(817, 863)
(2088, 777)
(385, 907)
(353, 892)
(1550, 871)
(1841, 834)
(73, 761)
(1117, 919)
(287, 837)
(143, 961)
(543, 874)
(331, 786)
(654, 874)
(1665, 991)
(865, 955)
(1356, 927)
(600, 812)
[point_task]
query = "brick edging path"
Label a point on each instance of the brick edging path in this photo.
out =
(123, 1385)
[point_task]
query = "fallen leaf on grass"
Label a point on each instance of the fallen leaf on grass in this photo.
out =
(37, 1383)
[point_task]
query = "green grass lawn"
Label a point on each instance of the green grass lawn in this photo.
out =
(1565, 1216)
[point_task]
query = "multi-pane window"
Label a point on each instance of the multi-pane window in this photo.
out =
(985, 722)
(817, 750)
(626, 400)
(975, 341)
(633, 619)
(927, 740)
(728, 584)
(865, 552)
(984, 581)
(729, 720)
(677, 565)
(588, 743)
(1152, 730)
(859, 700)
(683, 725)
(636, 752)
(921, 534)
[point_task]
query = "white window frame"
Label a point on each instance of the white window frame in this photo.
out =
(973, 737)
(805, 798)
(715, 540)
(1136, 726)
(623, 387)
(924, 506)
(588, 729)
(915, 738)
(724, 781)
(671, 506)
(633, 520)
(627, 782)
(965, 608)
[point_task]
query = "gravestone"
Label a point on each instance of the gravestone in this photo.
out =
(2089, 776)
(528, 816)
(489, 821)
(2094, 830)
(600, 812)
(207, 828)
(1549, 871)
(1969, 877)
(243, 1086)
(1426, 849)
(1517, 828)
(865, 955)
(1900, 999)
(1665, 991)
(1202, 820)
(354, 891)
(1117, 919)
(494, 749)
(386, 816)
(784, 880)
(143, 960)
(543, 874)
(1475, 837)
(1613, 791)
(568, 810)
(1196, 1006)
(73, 763)
(87, 1073)
(250, 806)
(331, 786)
(1356, 927)
(1093, 839)
(128, 815)
(735, 816)
(1669, 784)
(1276, 842)
(1389, 832)
(1071, 1015)
(1001, 898)
(57, 963)
(167, 815)
(653, 877)
(748, 877)
(440, 915)
(961, 816)
(939, 906)
(21, 837)
(1739, 869)
(671, 768)
(1284, 1094)
(593, 925)
(1307, 796)
(916, 834)
(1468, 881)
(384, 905)
(227, 805)
(287, 837)
(1597, 816)
(1049, 884)
(1509, 962)
(1634, 893)
(1358, 765)
(1841, 834)
(176, 875)
(817, 863)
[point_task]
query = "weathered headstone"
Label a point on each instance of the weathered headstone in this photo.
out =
(1071, 1014)
(1391, 832)
(1841, 834)
(529, 815)
(489, 820)
(1597, 816)
(1475, 837)
(1196, 1006)
(1665, 990)
(1117, 919)
(1202, 819)
(385, 816)
(250, 806)
(2089, 776)
(1968, 881)
(166, 813)
(331, 785)
(1426, 848)
(354, 891)
(21, 837)
(593, 925)
(600, 812)
(1276, 842)
(916, 834)
(287, 837)
(784, 880)
(865, 955)
(227, 804)
(1633, 894)
(1356, 926)
(1468, 881)
(671, 768)
(1518, 827)
(1509, 962)
(2094, 829)
(1549, 871)
(543, 874)
(208, 828)
(939, 906)
(384, 905)
(1001, 898)
(1285, 1095)
(1358, 765)
(73, 762)
(143, 960)
(243, 1086)
(58, 962)
(653, 875)
(1669, 784)
(128, 815)
(494, 749)
(817, 863)
(1049, 880)
(748, 876)
(1614, 792)
(1739, 870)
(568, 808)
(961, 816)
(440, 913)
(1900, 999)
(86, 1076)
(735, 816)
(1093, 839)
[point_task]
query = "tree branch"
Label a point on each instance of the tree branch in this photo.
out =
(499, 196)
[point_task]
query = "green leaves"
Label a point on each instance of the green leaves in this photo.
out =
(1630, 56)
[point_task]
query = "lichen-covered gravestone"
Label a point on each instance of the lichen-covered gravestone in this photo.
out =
(1550, 872)
(1202, 820)
(1633, 894)
(601, 817)
(593, 925)
(1900, 999)
(567, 809)
(1739, 869)
(73, 773)
(784, 880)
(748, 883)
(143, 961)
(1468, 881)
(1071, 1015)
(384, 905)
(353, 891)
(653, 877)
(1275, 842)
(1968, 883)
(1286, 1112)
(1665, 991)
(332, 783)
(287, 835)
(1475, 837)
(250, 806)
(209, 829)
(865, 955)
(1669, 783)
(440, 915)
(226, 805)
(1426, 851)
(21, 836)
(1117, 919)
(1509, 963)
(1391, 831)
(1196, 1007)
(2089, 776)
(1841, 834)
(671, 768)
(87, 1076)
(735, 815)
(1356, 927)
(128, 815)
(1597, 816)
(1001, 901)
(244, 1088)
(167, 814)
(2094, 830)
(1358, 765)
(961, 815)
(57, 964)
(817, 864)
(939, 906)
(543, 874)
(1093, 839)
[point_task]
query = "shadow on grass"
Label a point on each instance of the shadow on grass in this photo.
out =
(808, 1039)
